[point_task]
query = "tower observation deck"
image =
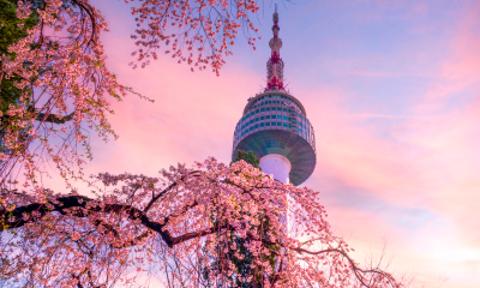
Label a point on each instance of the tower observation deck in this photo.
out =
(275, 126)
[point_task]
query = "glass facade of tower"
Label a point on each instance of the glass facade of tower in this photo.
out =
(274, 111)
(275, 122)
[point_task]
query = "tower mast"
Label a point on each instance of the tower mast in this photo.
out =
(275, 63)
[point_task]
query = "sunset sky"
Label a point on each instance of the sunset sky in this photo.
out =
(392, 89)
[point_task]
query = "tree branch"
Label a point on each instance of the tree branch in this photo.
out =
(168, 188)
(50, 117)
(82, 206)
(357, 270)
(54, 118)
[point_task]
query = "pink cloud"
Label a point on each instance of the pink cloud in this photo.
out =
(449, 138)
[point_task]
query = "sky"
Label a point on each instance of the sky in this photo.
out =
(392, 89)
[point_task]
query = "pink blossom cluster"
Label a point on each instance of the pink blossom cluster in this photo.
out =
(198, 32)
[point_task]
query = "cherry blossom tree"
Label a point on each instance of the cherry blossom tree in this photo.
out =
(212, 225)
(56, 87)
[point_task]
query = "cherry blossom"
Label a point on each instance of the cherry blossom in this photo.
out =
(66, 90)
(211, 225)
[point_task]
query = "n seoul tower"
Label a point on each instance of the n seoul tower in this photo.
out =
(275, 126)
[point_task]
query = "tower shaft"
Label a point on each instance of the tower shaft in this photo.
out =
(276, 165)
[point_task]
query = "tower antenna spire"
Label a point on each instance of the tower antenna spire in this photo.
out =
(275, 63)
